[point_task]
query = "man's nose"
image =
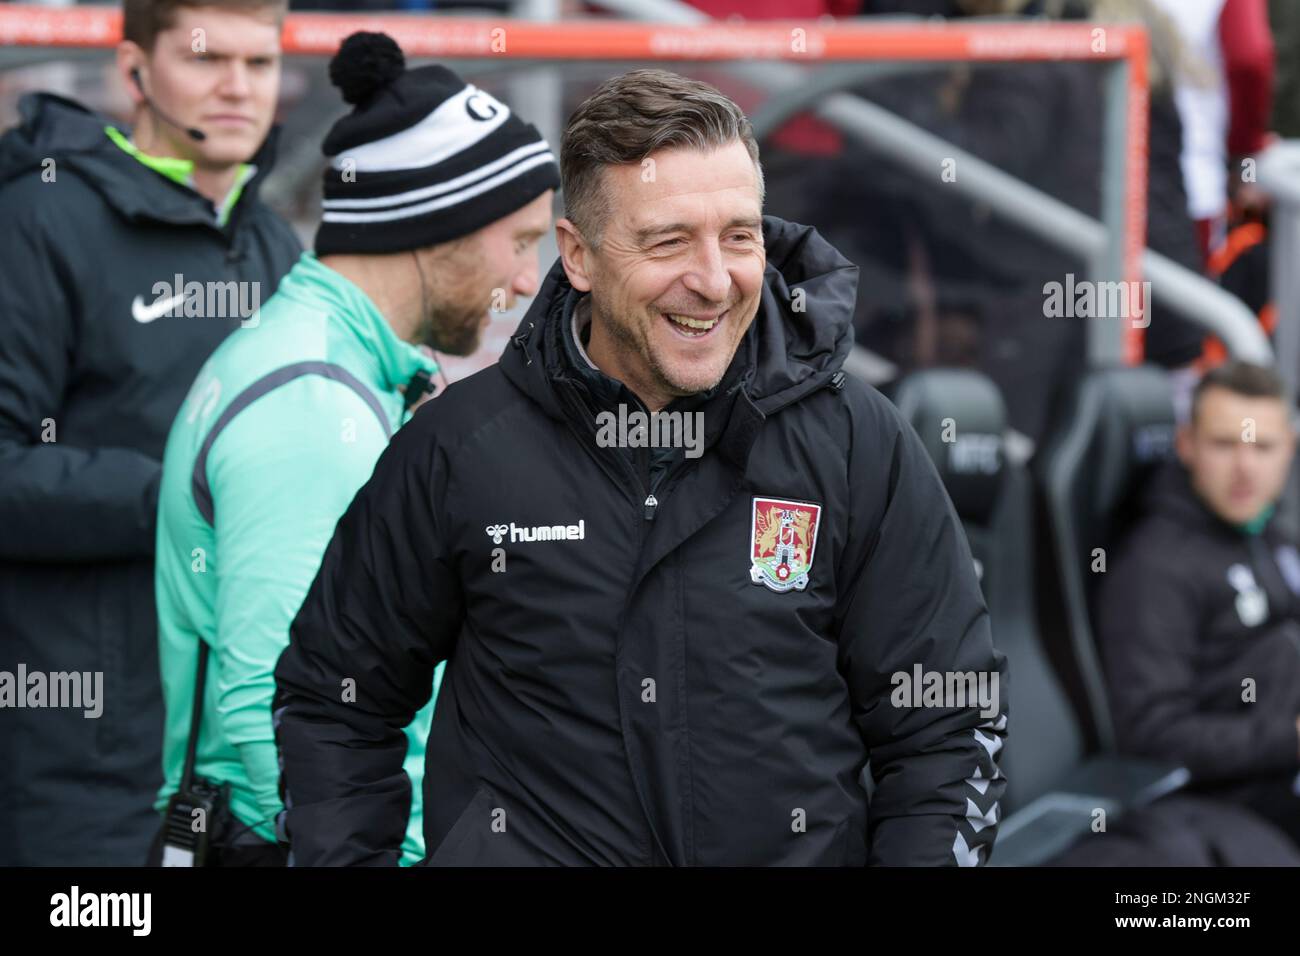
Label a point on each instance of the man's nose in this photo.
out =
(526, 280)
(234, 80)
(708, 276)
(1247, 458)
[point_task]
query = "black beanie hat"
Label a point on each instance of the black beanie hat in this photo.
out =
(423, 158)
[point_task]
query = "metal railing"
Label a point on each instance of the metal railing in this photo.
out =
(1279, 175)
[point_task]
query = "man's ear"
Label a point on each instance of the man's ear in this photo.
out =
(130, 57)
(574, 253)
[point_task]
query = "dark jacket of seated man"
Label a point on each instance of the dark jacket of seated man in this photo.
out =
(1199, 618)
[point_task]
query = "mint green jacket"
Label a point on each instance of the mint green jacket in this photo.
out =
(282, 426)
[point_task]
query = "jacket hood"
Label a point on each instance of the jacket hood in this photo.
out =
(800, 337)
(53, 127)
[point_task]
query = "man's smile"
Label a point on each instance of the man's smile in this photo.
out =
(694, 327)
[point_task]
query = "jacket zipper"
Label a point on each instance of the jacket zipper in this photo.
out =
(651, 504)
(569, 397)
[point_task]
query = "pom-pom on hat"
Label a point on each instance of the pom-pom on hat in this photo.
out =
(423, 158)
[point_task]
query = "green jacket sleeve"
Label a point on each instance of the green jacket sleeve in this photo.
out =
(281, 474)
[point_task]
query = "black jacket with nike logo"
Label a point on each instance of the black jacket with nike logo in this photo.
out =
(90, 380)
(685, 665)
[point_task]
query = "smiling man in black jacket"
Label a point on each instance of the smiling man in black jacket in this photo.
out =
(662, 651)
(1199, 618)
(126, 257)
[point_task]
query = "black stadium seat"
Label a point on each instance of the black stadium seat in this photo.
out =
(960, 417)
(1053, 785)
(1116, 430)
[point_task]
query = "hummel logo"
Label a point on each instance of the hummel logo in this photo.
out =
(144, 314)
(558, 532)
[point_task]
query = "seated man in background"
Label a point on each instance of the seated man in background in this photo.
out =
(1199, 618)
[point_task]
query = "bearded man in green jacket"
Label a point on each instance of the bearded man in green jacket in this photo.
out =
(435, 199)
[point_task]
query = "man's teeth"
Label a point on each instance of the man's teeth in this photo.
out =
(700, 325)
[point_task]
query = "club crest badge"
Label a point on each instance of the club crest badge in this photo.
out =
(1252, 602)
(782, 540)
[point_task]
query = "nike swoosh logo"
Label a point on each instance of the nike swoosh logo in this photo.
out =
(145, 314)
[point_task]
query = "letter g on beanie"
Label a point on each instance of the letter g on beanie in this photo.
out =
(423, 158)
